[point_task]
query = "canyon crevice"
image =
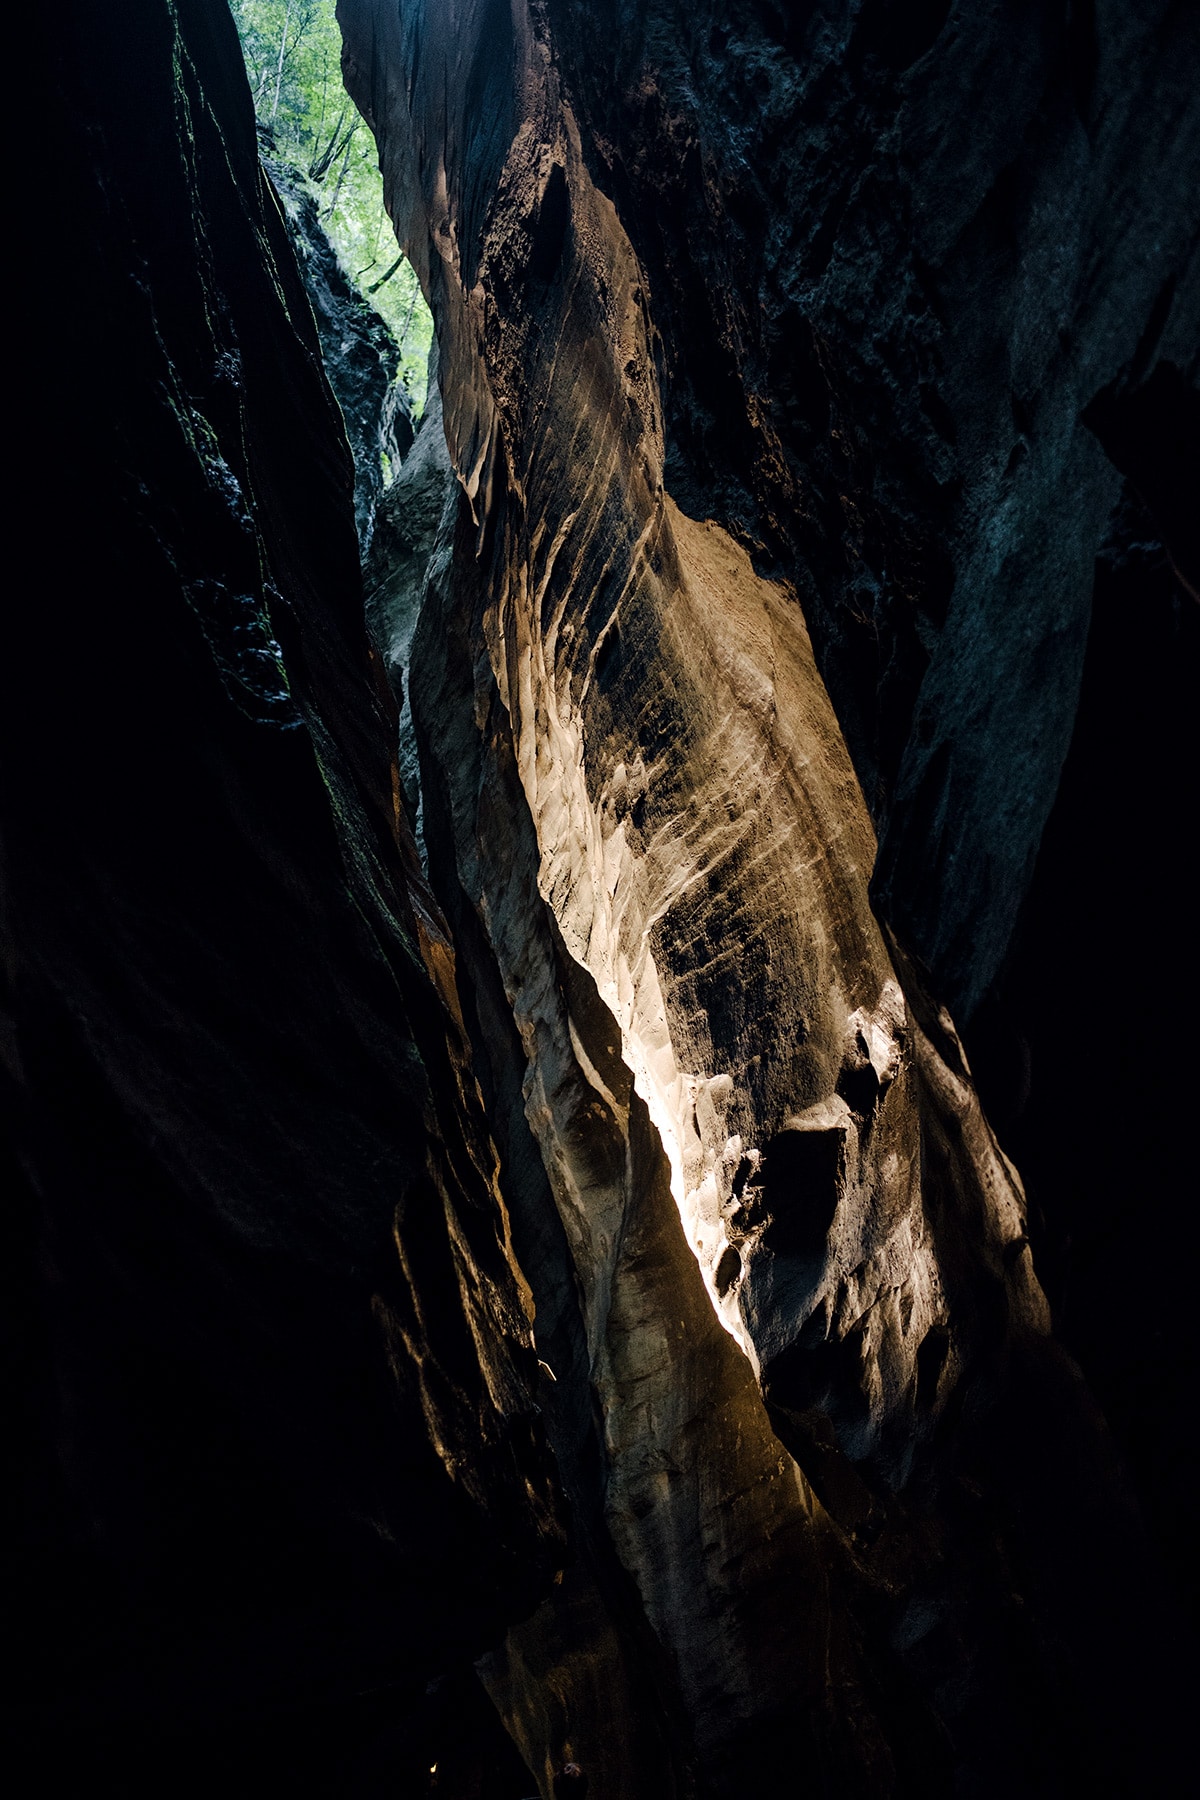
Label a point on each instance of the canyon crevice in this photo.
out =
(516, 1268)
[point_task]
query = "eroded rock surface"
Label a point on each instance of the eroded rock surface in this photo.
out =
(906, 262)
(695, 842)
(787, 361)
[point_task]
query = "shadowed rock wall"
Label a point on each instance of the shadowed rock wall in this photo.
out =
(277, 1461)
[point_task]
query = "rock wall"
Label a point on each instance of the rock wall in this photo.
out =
(359, 353)
(729, 319)
(1113, 871)
(276, 1460)
(512, 1266)
(904, 258)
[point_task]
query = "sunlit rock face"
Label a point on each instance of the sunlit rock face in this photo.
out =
(278, 1461)
(923, 274)
(647, 822)
(650, 1656)
(703, 843)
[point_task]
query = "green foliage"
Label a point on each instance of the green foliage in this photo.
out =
(293, 59)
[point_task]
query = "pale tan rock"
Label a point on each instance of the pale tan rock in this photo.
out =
(649, 814)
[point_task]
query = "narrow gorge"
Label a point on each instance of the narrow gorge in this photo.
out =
(597, 959)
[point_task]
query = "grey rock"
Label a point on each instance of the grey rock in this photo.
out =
(360, 354)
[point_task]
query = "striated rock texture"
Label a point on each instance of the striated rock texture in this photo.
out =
(587, 1315)
(276, 1461)
(916, 268)
(752, 329)
(358, 350)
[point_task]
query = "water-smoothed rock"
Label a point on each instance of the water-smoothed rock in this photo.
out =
(903, 260)
(694, 839)
(752, 352)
